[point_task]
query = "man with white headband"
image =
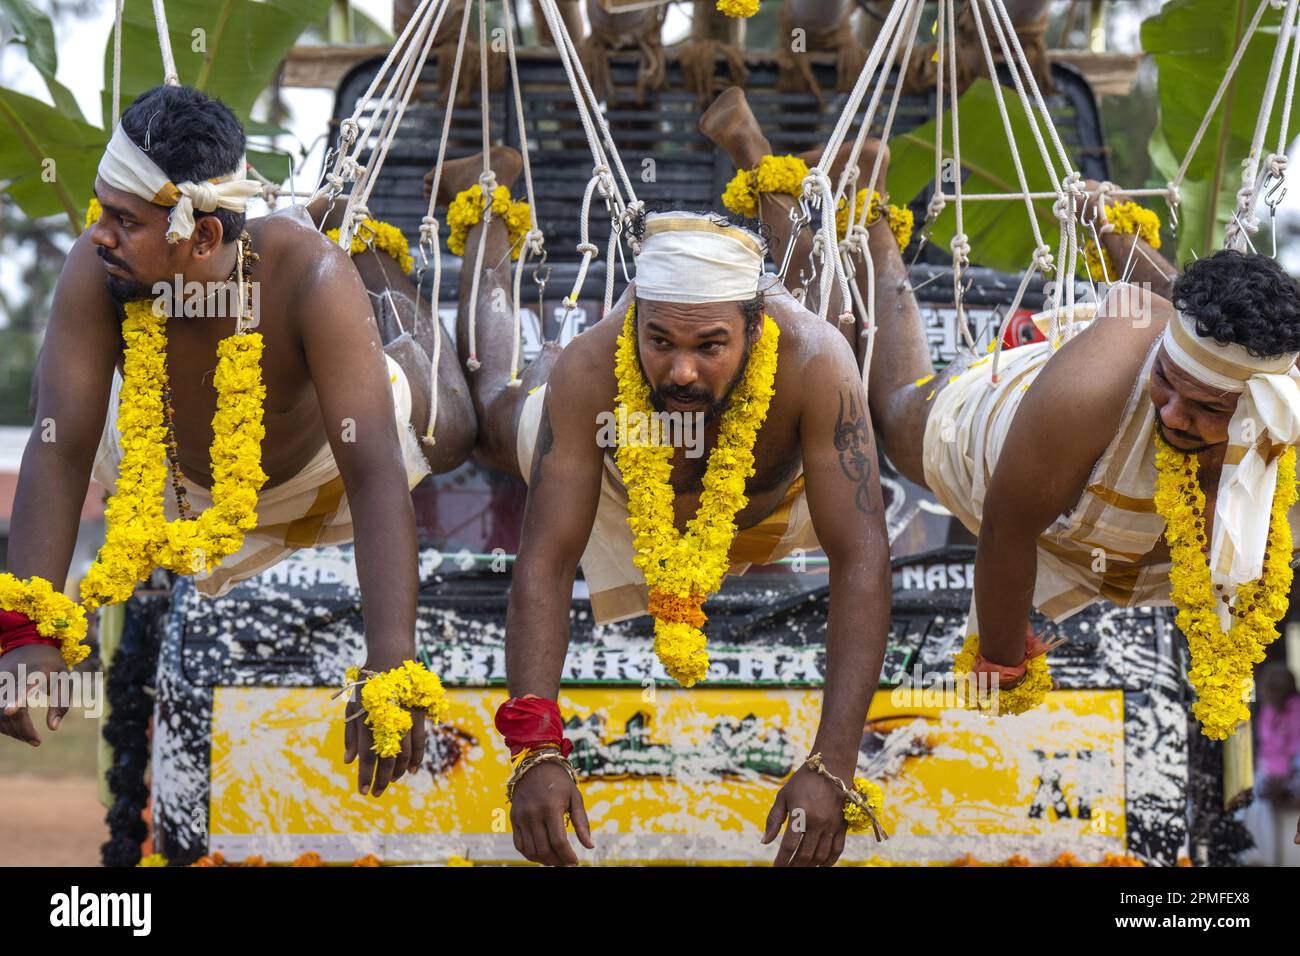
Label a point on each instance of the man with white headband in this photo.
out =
(702, 340)
(1139, 464)
(340, 452)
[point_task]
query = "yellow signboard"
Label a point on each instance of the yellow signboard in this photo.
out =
(675, 776)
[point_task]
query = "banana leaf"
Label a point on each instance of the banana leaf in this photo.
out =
(1192, 43)
(34, 30)
(243, 44)
(999, 230)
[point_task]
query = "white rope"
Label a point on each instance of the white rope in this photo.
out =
(117, 63)
(534, 240)
(351, 140)
(857, 239)
(1245, 222)
(816, 186)
(960, 243)
(429, 228)
(165, 44)
(588, 106)
(487, 182)
(409, 78)
(850, 170)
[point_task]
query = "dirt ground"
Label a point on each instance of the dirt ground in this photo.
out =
(50, 814)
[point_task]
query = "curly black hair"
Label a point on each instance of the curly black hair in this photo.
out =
(191, 136)
(753, 308)
(1244, 299)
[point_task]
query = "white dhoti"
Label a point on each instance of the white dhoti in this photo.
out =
(309, 510)
(616, 585)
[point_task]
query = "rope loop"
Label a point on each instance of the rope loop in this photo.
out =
(1277, 165)
(487, 184)
(961, 247)
(588, 249)
(429, 227)
(1042, 259)
(816, 184)
(534, 240)
(936, 205)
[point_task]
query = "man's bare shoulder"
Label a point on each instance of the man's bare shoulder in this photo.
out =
(583, 381)
(294, 244)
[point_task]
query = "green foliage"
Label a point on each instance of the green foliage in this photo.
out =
(1192, 43)
(231, 49)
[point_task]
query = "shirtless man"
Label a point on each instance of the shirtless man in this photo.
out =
(337, 451)
(1054, 465)
(815, 482)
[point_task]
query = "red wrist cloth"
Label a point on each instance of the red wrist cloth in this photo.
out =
(18, 630)
(532, 722)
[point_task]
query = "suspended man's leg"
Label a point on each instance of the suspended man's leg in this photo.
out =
(496, 403)
(411, 340)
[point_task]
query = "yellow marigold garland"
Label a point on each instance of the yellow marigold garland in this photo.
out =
(1127, 218)
(737, 8)
(387, 699)
(153, 859)
(1026, 695)
(93, 212)
(138, 536)
(773, 174)
(467, 209)
(1222, 666)
(54, 614)
(682, 570)
(381, 237)
(899, 217)
(857, 817)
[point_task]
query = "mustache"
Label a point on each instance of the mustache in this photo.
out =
(1181, 435)
(112, 260)
(684, 393)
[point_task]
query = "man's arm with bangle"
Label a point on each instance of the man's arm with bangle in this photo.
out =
(564, 488)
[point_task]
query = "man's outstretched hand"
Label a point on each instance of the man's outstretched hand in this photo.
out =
(541, 799)
(814, 834)
(375, 773)
(15, 721)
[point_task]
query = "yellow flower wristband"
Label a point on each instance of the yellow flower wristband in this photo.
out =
(467, 209)
(1028, 694)
(388, 697)
(1126, 218)
(381, 237)
(55, 615)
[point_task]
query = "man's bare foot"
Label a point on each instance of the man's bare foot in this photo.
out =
(865, 161)
(730, 124)
(459, 174)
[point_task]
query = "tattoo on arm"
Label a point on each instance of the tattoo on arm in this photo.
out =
(545, 442)
(853, 442)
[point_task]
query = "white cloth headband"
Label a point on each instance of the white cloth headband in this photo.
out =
(127, 167)
(1266, 420)
(686, 257)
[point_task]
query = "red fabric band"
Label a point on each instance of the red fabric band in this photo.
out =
(532, 722)
(18, 630)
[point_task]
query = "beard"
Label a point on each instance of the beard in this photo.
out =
(122, 290)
